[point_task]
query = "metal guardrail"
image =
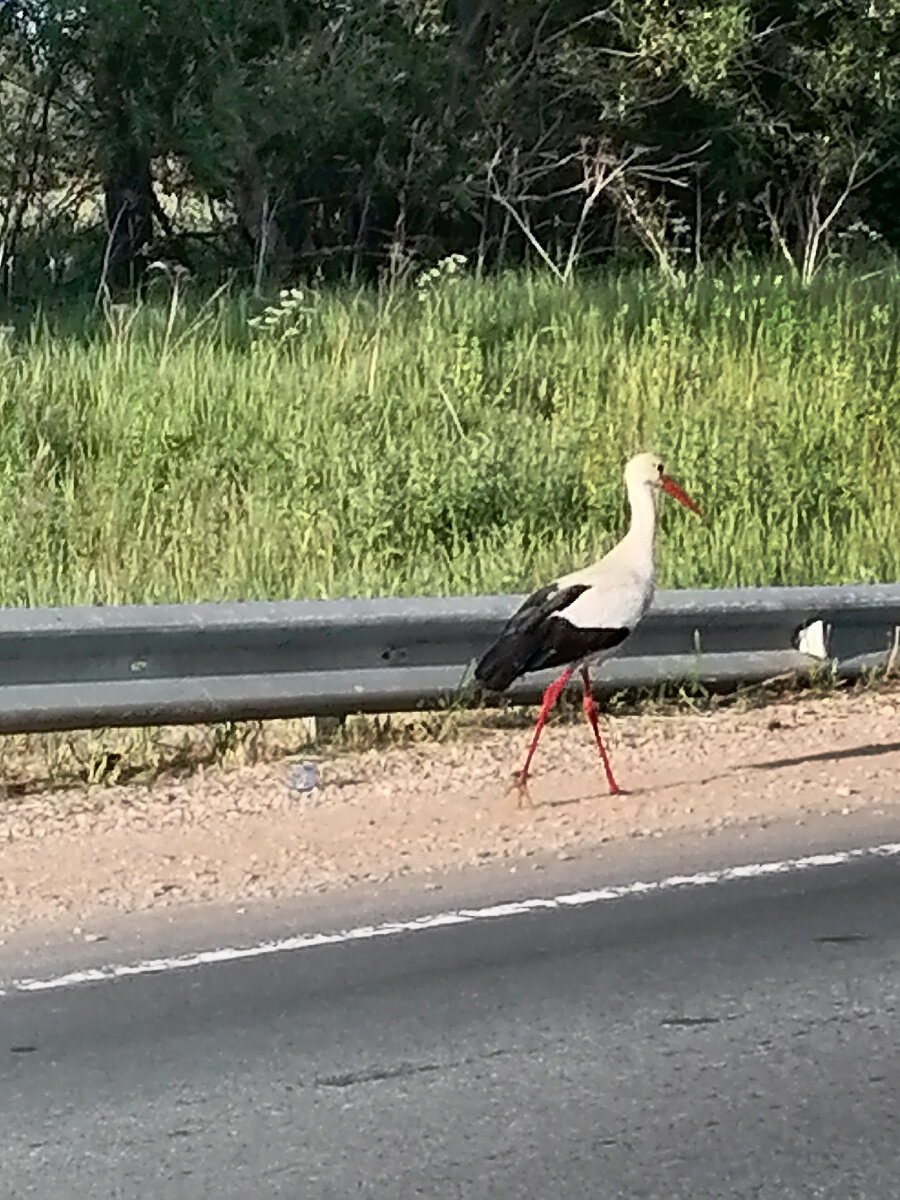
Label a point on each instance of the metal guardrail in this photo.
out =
(76, 668)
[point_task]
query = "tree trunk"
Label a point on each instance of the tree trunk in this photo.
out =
(257, 211)
(127, 179)
(128, 204)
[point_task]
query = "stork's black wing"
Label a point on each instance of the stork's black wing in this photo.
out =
(523, 636)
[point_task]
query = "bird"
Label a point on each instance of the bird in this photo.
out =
(582, 618)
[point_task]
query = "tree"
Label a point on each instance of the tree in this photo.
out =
(353, 138)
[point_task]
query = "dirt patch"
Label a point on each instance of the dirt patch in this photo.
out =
(222, 834)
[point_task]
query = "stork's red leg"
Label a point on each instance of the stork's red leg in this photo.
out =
(590, 711)
(551, 695)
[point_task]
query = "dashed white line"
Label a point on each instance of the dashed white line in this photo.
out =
(462, 916)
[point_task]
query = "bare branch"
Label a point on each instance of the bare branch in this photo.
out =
(591, 18)
(523, 225)
(765, 199)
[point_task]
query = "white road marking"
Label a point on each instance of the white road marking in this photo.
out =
(463, 916)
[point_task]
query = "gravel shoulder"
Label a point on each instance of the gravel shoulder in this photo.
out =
(74, 855)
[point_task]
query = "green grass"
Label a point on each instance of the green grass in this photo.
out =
(466, 439)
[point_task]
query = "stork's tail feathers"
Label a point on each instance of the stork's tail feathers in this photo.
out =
(506, 660)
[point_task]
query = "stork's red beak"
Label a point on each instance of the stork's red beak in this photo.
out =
(670, 486)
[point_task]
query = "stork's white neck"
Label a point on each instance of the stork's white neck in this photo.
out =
(641, 533)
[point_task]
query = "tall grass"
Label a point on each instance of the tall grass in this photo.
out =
(462, 437)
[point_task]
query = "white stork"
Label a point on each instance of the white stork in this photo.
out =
(583, 617)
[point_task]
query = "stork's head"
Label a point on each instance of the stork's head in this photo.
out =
(646, 470)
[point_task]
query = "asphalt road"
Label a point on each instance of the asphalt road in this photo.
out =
(733, 1041)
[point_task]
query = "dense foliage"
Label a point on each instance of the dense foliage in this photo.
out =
(357, 137)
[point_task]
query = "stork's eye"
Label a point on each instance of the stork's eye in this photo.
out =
(659, 468)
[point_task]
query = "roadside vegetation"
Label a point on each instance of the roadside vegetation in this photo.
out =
(329, 299)
(458, 436)
(344, 299)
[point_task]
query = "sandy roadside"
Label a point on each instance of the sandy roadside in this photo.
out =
(70, 855)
